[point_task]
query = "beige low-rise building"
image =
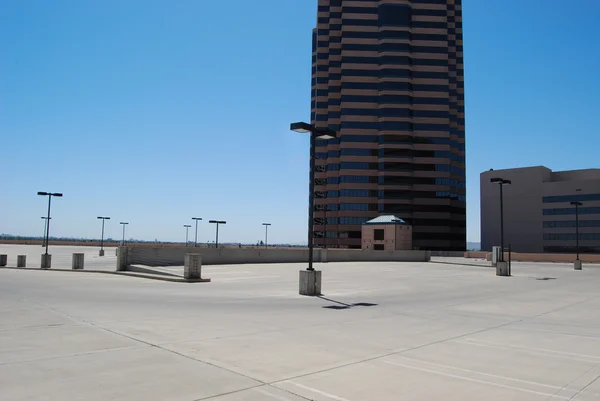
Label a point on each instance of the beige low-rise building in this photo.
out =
(387, 233)
(538, 212)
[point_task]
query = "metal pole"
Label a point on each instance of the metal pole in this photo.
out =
(102, 238)
(186, 236)
(509, 260)
(196, 236)
(123, 241)
(48, 223)
(44, 234)
(217, 237)
(501, 224)
(577, 229)
(311, 201)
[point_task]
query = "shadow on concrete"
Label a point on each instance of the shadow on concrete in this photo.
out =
(145, 270)
(343, 305)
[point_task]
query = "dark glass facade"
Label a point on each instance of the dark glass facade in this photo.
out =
(389, 79)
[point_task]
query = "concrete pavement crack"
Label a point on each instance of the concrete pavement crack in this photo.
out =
(76, 354)
(586, 386)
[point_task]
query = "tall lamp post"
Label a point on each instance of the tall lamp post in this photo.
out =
(187, 227)
(577, 261)
(266, 232)
(501, 183)
(102, 238)
(315, 133)
(46, 257)
(123, 240)
(196, 236)
(217, 222)
(44, 234)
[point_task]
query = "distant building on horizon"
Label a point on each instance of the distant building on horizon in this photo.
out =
(538, 215)
(388, 77)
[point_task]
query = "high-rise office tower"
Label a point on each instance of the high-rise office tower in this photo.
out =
(387, 75)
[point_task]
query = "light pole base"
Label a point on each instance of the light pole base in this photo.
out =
(310, 282)
(3, 260)
(46, 261)
(101, 252)
(192, 267)
(21, 260)
(577, 265)
(77, 263)
(502, 269)
(495, 255)
(122, 262)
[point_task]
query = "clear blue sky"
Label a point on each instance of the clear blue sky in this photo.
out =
(155, 111)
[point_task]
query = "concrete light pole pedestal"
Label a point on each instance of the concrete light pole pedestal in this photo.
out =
(577, 264)
(495, 255)
(46, 261)
(502, 269)
(310, 282)
(77, 261)
(122, 259)
(101, 252)
(192, 267)
(3, 260)
(21, 260)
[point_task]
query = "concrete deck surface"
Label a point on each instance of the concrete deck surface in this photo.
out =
(382, 332)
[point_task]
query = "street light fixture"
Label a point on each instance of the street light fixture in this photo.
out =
(501, 182)
(187, 227)
(196, 236)
(102, 238)
(577, 204)
(123, 224)
(49, 195)
(266, 232)
(217, 222)
(44, 232)
(315, 133)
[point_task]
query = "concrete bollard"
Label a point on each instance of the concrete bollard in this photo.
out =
(46, 261)
(577, 265)
(495, 255)
(122, 259)
(502, 269)
(21, 260)
(101, 252)
(77, 261)
(310, 282)
(3, 260)
(192, 266)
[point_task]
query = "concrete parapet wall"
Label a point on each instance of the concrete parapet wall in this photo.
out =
(450, 254)
(351, 255)
(538, 257)
(476, 255)
(157, 256)
(553, 257)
